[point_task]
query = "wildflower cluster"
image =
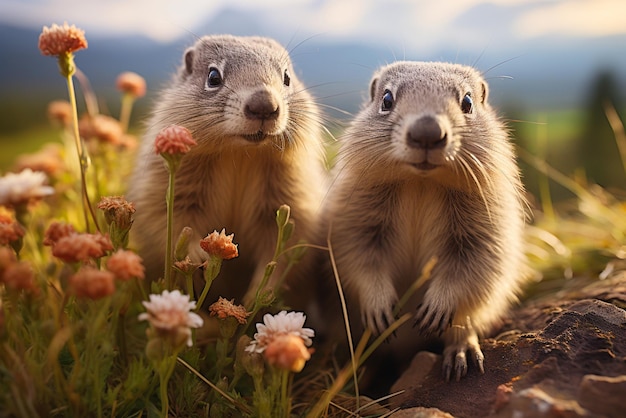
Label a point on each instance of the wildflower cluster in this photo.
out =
(86, 333)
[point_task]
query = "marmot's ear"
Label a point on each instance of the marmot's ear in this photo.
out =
(188, 59)
(485, 92)
(373, 87)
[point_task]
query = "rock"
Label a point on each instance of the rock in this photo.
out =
(537, 403)
(421, 365)
(420, 412)
(603, 395)
(503, 396)
(606, 311)
(561, 356)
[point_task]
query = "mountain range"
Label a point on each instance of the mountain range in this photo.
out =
(537, 76)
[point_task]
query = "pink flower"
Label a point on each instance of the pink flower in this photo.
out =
(170, 317)
(58, 40)
(283, 323)
(56, 231)
(20, 276)
(174, 140)
(91, 283)
(81, 247)
(60, 111)
(10, 230)
(49, 160)
(126, 265)
(283, 340)
(132, 84)
(101, 127)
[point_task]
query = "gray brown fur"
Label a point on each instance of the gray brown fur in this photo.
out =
(424, 179)
(259, 146)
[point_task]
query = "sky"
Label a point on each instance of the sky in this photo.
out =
(423, 24)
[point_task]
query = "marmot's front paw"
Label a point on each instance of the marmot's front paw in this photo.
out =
(461, 340)
(377, 314)
(433, 318)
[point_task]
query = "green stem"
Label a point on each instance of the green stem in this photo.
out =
(213, 267)
(165, 372)
(163, 392)
(189, 280)
(284, 392)
(121, 339)
(82, 157)
(127, 106)
(169, 199)
(205, 292)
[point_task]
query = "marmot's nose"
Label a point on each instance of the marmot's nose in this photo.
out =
(426, 133)
(262, 105)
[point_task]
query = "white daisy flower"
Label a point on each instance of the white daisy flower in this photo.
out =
(279, 325)
(19, 188)
(169, 314)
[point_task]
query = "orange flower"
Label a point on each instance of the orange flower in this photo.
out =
(58, 40)
(10, 230)
(56, 231)
(225, 308)
(80, 247)
(48, 160)
(132, 84)
(220, 245)
(20, 276)
(101, 127)
(126, 265)
(287, 352)
(60, 111)
(7, 258)
(174, 140)
(89, 282)
(117, 209)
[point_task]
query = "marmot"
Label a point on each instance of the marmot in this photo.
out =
(426, 169)
(259, 137)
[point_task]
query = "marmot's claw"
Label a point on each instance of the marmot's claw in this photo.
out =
(461, 341)
(378, 322)
(479, 360)
(432, 322)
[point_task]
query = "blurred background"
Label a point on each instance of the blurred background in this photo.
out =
(553, 65)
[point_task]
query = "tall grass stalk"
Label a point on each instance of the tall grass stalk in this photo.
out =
(169, 198)
(618, 130)
(83, 159)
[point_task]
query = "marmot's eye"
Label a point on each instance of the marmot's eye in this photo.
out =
(387, 101)
(214, 79)
(467, 105)
(286, 78)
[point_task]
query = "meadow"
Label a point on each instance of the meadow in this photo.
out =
(83, 334)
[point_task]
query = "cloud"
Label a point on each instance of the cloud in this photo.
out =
(577, 18)
(414, 24)
(161, 20)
